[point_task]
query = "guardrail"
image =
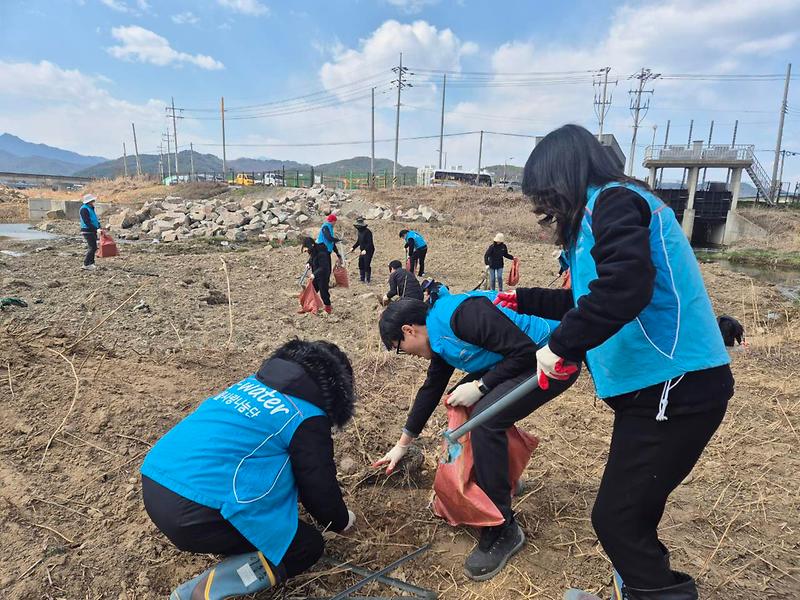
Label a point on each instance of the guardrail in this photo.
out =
(697, 152)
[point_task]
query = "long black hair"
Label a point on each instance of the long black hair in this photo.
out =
(560, 169)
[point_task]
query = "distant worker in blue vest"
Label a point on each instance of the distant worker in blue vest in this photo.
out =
(402, 284)
(417, 248)
(493, 259)
(638, 314)
(367, 250)
(496, 347)
(227, 478)
(90, 229)
(326, 236)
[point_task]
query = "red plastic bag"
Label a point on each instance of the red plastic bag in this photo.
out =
(458, 499)
(513, 272)
(107, 247)
(309, 299)
(341, 277)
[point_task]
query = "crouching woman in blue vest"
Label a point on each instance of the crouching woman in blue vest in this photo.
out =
(638, 314)
(496, 347)
(227, 478)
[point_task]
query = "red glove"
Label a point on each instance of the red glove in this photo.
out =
(507, 300)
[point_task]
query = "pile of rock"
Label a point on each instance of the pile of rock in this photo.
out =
(256, 216)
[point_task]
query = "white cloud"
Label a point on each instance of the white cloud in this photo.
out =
(768, 45)
(70, 109)
(143, 5)
(185, 18)
(146, 46)
(246, 7)
(422, 45)
(117, 5)
(412, 6)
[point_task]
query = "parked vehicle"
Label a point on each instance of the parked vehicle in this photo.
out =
(243, 179)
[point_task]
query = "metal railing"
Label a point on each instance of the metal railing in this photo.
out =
(697, 152)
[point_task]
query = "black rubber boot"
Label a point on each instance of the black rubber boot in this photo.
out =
(685, 590)
(496, 546)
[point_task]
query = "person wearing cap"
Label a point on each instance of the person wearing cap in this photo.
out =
(327, 237)
(402, 284)
(493, 259)
(367, 246)
(90, 227)
(227, 478)
(319, 262)
(417, 249)
(432, 290)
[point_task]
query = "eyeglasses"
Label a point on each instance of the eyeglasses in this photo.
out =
(397, 348)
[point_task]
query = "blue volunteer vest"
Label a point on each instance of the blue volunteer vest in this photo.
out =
(95, 222)
(321, 237)
(419, 241)
(674, 334)
(469, 357)
(231, 454)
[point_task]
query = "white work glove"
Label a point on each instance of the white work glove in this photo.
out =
(551, 366)
(351, 520)
(385, 300)
(465, 394)
(394, 456)
(363, 252)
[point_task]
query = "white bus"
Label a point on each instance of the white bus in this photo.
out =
(452, 178)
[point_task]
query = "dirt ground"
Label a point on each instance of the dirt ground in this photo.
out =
(100, 365)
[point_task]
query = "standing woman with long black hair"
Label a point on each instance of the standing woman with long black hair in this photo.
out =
(638, 314)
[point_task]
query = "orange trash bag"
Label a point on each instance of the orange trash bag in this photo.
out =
(107, 247)
(458, 499)
(309, 299)
(341, 277)
(513, 272)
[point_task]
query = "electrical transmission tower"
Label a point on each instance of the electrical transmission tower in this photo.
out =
(639, 109)
(602, 98)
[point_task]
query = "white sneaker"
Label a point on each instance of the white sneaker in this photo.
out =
(88, 267)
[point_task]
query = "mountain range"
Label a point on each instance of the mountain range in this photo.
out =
(20, 156)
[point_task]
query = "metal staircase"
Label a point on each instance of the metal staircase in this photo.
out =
(760, 178)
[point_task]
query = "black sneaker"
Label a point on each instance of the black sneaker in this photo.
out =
(496, 546)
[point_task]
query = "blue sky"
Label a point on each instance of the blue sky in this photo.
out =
(75, 73)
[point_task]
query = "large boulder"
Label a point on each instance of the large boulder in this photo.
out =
(235, 219)
(125, 219)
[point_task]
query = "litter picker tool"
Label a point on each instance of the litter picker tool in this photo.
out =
(451, 437)
(301, 281)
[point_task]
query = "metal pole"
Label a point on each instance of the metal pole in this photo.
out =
(125, 160)
(224, 159)
(136, 148)
(666, 141)
(169, 151)
(372, 156)
(397, 121)
(603, 106)
(441, 127)
(688, 145)
(636, 109)
(191, 158)
(710, 133)
(161, 161)
(480, 152)
(780, 126)
(735, 129)
(175, 137)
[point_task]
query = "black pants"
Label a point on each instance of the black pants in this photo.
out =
(647, 460)
(90, 237)
(322, 285)
(490, 443)
(196, 528)
(365, 265)
(419, 256)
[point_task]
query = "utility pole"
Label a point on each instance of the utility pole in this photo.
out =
(125, 160)
(480, 152)
(174, 134)
(441, 127)
(638, 109)
(191, 159)
(372, 155)
(400, 70)
(169, 151)
(136, 148)
(602, 100)
(224, 159)
(161, 160)
(780, 128)
(710, 133)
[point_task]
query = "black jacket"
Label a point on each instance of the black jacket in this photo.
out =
(320, 262)
(403, 284)
(478, 322)
(311, 448)
(364, 240)
(494, 255)
(624, 284)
